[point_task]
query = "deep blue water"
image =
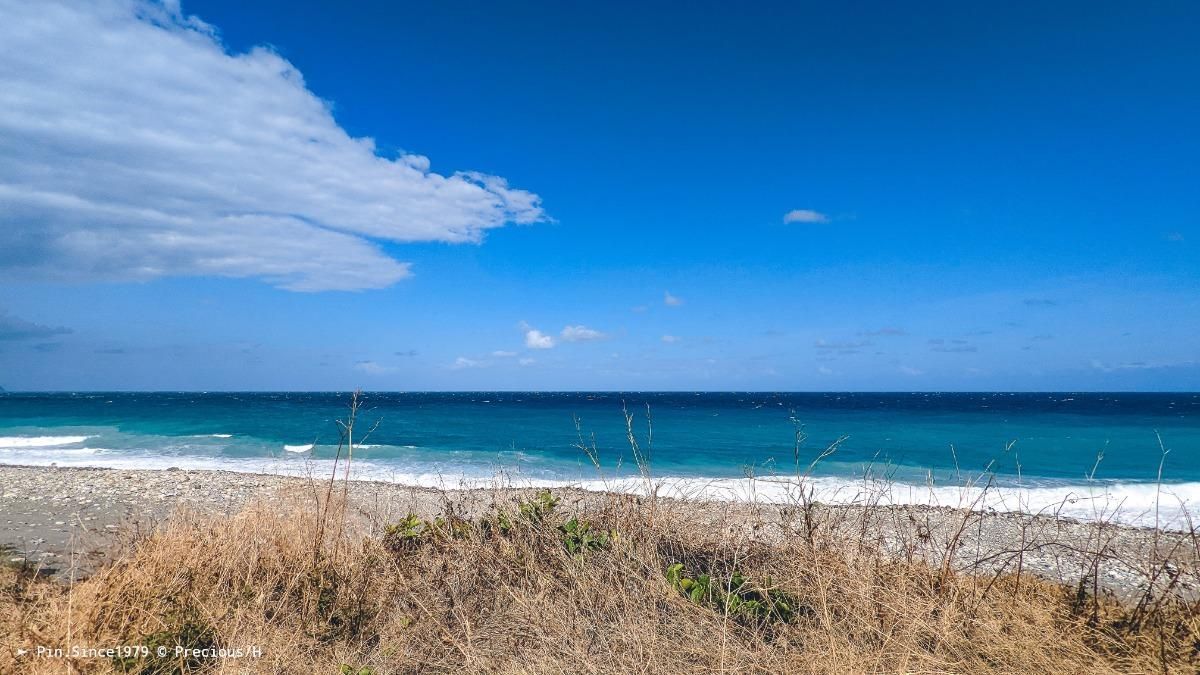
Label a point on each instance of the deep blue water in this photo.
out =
(1055, 437)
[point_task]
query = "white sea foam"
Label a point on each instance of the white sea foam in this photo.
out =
(38, 456)
(1130, 503)
(39, 441)
(298, 448)
(1143, 504)
(221, 435)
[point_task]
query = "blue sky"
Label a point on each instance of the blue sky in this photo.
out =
(867, 196)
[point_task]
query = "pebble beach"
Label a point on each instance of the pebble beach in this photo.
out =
(68, 521)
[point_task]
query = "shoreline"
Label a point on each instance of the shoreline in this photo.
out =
(1138, 503)
(71, 520)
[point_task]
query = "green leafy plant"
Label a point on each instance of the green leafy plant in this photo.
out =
(406, 533)
(412, 531)
(500, 524)
(735, 596)
(451, 527)
(535, 510)
(579, 538)
(348, 669)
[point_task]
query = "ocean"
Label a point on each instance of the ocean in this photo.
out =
(1087, 455)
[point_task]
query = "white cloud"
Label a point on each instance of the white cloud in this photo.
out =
(536, 339)
(134, 146)
(463, 362)
(671, 300)
(526, 361)
(824, 370)
(805, 216)
(909, 370)
(1140, 365)
(501, 354)
(581, 334)
(670, 339)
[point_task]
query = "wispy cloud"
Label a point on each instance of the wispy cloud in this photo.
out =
(16, 328)
(910, 371)
(501, 354)
(671, 300)
(1175, 236)
(1109, 367)
(805, 216)
(886, 331)
(955, 346)
(133, 145)
(1040, 302)
(579, 333)
(372, 368)
(841, 347)
(463, 362)
(670, 339)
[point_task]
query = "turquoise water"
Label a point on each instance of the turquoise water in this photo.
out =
(1033, 441)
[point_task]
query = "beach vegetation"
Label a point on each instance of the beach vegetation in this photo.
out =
(580, 538)
(683, 589)
(541, 505)
(405, 533)
(735, 596)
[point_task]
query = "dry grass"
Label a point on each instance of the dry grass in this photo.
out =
(503, 593)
